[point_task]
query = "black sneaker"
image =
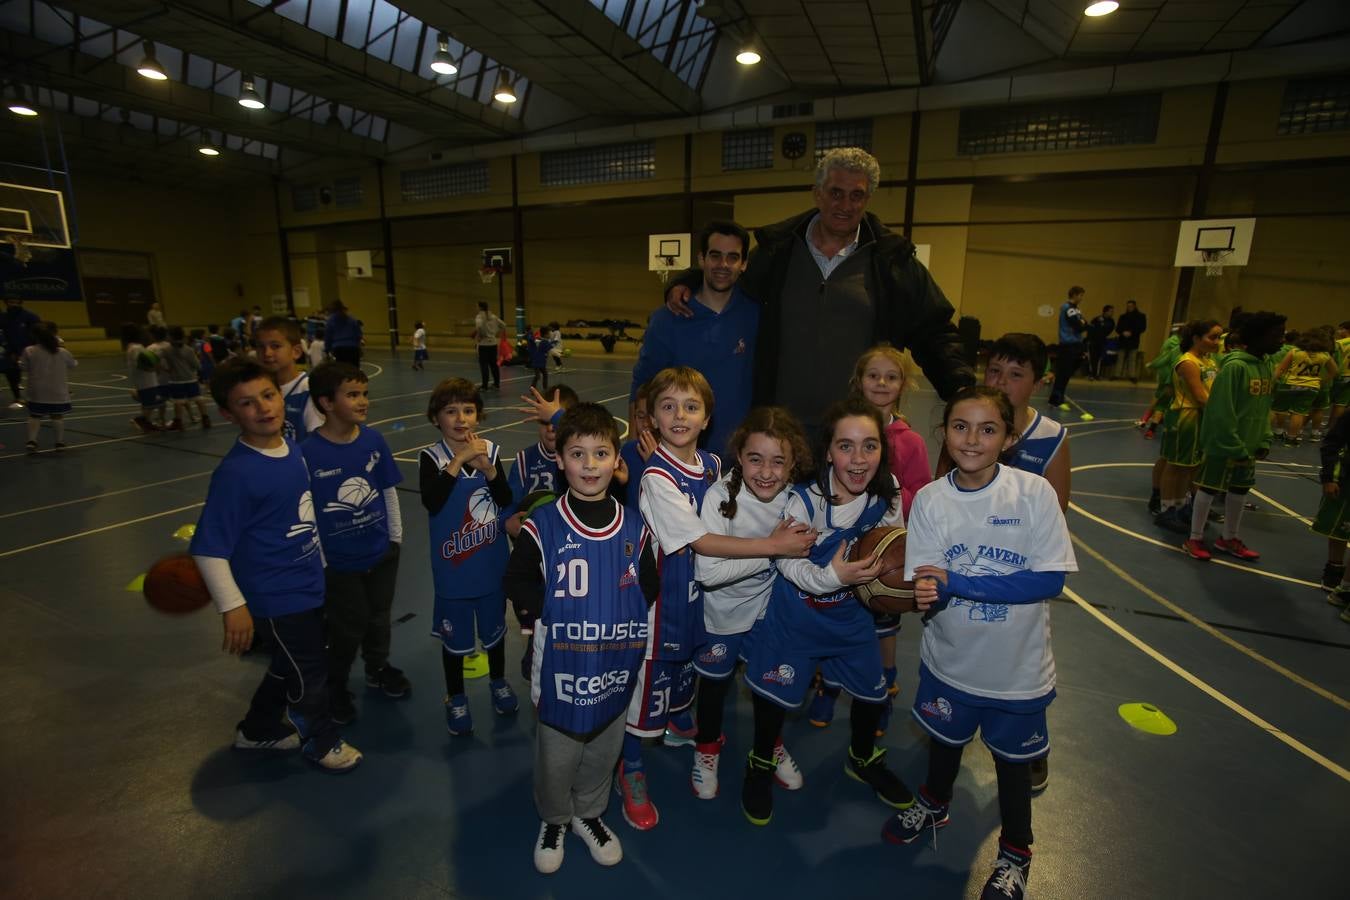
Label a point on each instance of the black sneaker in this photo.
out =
(1332, 573)
(1154, 503)
(1040, 774)
(757, 791)
(390, 680)
(1170, 520)
(341, 709)
(873, 773)
(1008, 881)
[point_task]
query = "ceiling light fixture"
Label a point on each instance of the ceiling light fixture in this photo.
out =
(505, 91)
(20, 105)
(208, 150)
(443, 63)
(249, 97)
(748, 55)
(150, 67)
(1101, 8)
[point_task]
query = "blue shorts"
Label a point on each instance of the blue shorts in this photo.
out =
(151, 396)
(419, 355)
(783, 674)
(663, 687)
(717, 658)
(36, 409)
(453, 622)
(953, 716)
(185, 390)
(888, 624)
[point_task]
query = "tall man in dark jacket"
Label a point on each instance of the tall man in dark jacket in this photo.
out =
(1132, 324)
(831, 282)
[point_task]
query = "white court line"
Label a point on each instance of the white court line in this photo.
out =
(101, 387)
(71, 537)
(1281, 507)
(1205, 687)
(101, 496)
(1096, 422)
(69, 447)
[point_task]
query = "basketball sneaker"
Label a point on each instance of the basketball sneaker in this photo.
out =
(786, 772)
(457, 718)
(1150, 430)
(603, 843)
(873, 773)
(703, 777)
(1345, 614)
(1236, 548)
(1339, 595)
(1040, 774)
(390, 680)
(821, 712)
(283, 738)
(504, 701)
(1196, 549)
(548, 849)
(638, 810)
(675, 736)
(1170, 520)
(757, 789)
(1008, 881)
(1332, 573)
(908, 826)
(341, 759)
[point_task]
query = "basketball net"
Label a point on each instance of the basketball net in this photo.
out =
(664, 274)
(1214, 261)
(21, 252)
(487, 273)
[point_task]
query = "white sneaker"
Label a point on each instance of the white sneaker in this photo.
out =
(342, 758)
(787, 774)
(290, 742)
(548, 849)
(16, 405)
(603, 843)
(703, 777)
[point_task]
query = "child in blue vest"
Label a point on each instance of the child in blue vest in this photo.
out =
(280, 352)
(353, 477)
(581, 578)
(464, 490)
(537, 348)
(257, 547)
(814, 620)
(638, 449)
(536, 467)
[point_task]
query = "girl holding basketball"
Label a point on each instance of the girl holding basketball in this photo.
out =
(987, 549)
(769, 453)
(813, 617)
(464, 489)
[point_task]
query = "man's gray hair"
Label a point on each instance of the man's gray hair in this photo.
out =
(850, 159)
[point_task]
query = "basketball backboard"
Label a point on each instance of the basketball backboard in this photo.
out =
(1228, 239)
(498, 258)
(33, 215)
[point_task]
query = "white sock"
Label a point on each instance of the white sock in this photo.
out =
(33, 426)
(1233, 505)
(1200, 513)
(59, 426)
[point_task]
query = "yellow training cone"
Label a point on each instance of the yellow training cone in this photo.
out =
(137, 584)
(475, 665)
(185, 532)
(1147, 718)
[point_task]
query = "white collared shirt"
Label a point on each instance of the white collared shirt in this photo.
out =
(828, 264)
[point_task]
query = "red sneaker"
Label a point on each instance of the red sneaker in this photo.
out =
(1235, 547)
(638, 811)
(1196, 549)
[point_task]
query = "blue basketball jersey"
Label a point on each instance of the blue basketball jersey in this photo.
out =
(834, 621)
(296, 399)
(677, 615)
(348, 482)
(468, 554)
(635, 464)
(535, 470)
(592, 631)
(1038, 445)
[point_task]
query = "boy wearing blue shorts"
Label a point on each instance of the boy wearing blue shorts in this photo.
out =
(257, 547)
(354, 480)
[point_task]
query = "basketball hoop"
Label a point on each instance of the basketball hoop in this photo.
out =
(21, 252)
(487, 273)
(669, 263)
(1214, 260)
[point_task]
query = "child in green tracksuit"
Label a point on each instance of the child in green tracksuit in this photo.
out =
(1235, 431)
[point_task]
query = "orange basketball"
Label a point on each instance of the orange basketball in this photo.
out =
(889, 593)
(173, 585)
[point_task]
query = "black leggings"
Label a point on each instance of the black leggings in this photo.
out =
(454, 667)
(350, 355)
(1014, 789)
(863, 720)
(14, 375)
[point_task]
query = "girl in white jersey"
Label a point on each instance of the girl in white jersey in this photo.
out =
(769, 453)
(987, 548)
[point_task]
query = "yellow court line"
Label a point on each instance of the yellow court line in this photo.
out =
(1213, 692)
(71, 537)
(1208, 628)
(1097, 422)
(1130, 499)
(1281, 507)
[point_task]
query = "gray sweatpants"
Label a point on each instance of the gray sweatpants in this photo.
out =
(572, 777)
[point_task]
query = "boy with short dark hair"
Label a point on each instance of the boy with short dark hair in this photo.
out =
(1042, 446)
(279, 350)
(354, 475)
(581, 579)
(257, 547)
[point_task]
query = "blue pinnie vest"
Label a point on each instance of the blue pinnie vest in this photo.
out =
(590, 637)
(534, 471)
(677, 615)
(834, 622)
(296, 399)
(1038, 446)
(468, 553)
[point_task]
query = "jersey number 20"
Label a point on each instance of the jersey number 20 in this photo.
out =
(574, 578)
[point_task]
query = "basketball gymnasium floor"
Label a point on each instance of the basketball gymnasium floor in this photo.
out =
(119, 779)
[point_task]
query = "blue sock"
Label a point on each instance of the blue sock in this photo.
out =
(890, 676)
(683, 720)
(632, 753)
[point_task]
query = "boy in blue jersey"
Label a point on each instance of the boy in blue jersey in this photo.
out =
(636, 450)
(464, 490)
(257, 547)
(353, 477)
(718, 337)
(536, 467)
(280, 352)
(581, 579)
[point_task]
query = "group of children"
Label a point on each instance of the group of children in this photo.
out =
(643, 572)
